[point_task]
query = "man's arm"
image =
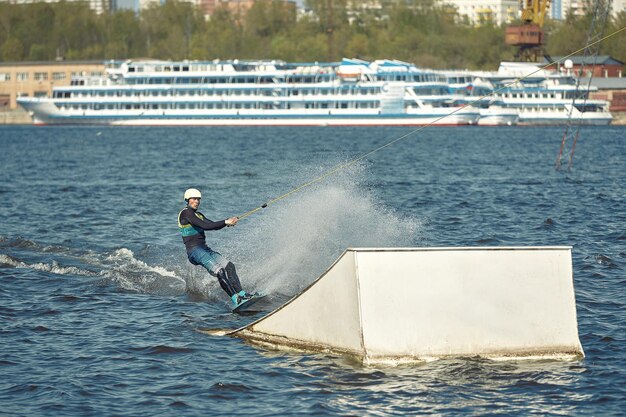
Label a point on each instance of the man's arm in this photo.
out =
(203, 224)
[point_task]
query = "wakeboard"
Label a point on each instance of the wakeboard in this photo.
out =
(246, 305)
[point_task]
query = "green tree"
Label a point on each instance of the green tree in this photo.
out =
(12, 50)
(37, 52)
(332, 18)
(10, 16)
(266, 19)
(75, 28)
(418, 31)
(614, 46)
(169, 29)
(567, 36)
(220, 38)
(123, 37)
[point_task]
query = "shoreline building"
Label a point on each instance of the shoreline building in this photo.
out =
(99, 6)
(481, 12)
(501, 12)
(37, 79)
(208, 7)
(559, 9)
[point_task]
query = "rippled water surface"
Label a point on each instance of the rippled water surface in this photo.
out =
(99, 308)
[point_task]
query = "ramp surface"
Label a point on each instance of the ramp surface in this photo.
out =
(410, 304)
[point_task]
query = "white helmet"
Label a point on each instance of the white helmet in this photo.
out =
(192, 193)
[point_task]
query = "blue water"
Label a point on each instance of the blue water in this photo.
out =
(99, 308)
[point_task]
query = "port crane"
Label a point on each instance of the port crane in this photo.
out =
(529, 37)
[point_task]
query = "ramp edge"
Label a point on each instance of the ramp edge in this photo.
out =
(281, 343)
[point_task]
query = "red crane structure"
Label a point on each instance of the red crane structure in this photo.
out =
(529, 37)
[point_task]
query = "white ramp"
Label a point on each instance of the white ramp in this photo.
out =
(387, 305)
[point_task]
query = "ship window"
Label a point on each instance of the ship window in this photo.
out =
(185, 67)
(131, 69)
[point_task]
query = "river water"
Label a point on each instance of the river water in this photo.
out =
(99, 308)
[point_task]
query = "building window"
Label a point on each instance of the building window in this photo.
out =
(41, 76)
(58, 76)
(5, 76)
(22, 76)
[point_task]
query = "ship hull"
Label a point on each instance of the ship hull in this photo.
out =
(560, 119)
(45, 112)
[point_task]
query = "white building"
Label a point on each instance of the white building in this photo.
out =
(618, 6)
(98, 6)
(560, 8)
(479, 12)
(507, 11)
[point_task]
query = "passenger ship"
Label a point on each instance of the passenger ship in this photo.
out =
(468, 90)
(540, 97)
(350, 92)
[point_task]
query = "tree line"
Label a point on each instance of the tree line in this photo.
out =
(417, 31)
